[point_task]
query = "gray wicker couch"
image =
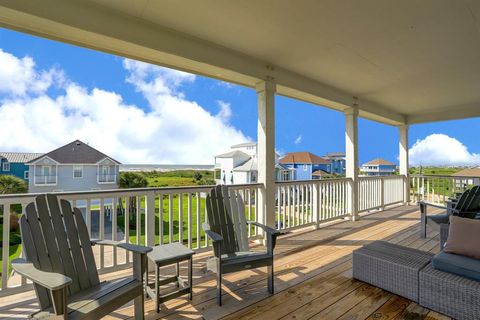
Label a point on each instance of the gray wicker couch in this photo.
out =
(409, 273)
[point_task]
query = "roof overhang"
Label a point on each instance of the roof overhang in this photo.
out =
(403, 61)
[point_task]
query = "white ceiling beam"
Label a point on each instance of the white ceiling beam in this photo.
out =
(93, 26)
(445, 114)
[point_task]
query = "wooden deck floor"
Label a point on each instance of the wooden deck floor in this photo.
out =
(312, 279)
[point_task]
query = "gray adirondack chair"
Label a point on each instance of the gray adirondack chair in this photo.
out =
(60, 262)
(227, 228)
(467, 206)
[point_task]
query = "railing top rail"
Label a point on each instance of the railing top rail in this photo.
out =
(159, 190)
(312, 181)
(393, 176)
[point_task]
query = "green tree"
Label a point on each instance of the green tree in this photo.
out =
(197, 176)
(130, 180)
(12, 184)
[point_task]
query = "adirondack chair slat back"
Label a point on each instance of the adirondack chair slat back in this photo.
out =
(472, 203)
(462, 200)
(56, 239)
(226, 216)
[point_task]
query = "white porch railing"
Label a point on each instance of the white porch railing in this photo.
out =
(378, 192)
(163, 215)
(143, 216)
(437, 189)
(309, 202)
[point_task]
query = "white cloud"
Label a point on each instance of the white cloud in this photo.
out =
(298, 140)
(172, 129)
(225, 112)
(440, 149)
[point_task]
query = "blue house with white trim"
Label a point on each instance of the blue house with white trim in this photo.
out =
(306, 165)
(15, 163)
(338, 160)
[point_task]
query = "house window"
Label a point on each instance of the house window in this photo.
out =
(47, 171)
(105, 171)
(78, 171)
(25, 175)
(305, 167)
(6, 166)
(286, 175)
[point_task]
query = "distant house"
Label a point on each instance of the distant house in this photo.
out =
(15, 163)
(73, 167)
(378, 167)
(239, 165)
(305, 164)
(338, 160)
(467, 177)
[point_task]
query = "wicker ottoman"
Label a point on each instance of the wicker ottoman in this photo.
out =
(447, 293)
(391, 267)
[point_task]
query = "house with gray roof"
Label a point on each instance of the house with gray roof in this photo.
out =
(15, 163)
(73, 167)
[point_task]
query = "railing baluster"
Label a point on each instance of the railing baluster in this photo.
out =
(180, 218)
(170, 218)
(126, 226)
(138, 220)
(101, 231)
(113, 215)
(5, 244)
(189, 219)
(199, 236)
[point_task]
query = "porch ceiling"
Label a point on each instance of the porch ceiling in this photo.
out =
(406, 61)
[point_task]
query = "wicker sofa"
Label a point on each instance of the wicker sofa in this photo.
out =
(410, 273)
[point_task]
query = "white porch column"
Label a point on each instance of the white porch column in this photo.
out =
(351, 153)
(403, 159)
(266, 152)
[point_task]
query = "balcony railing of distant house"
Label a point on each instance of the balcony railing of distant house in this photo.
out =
(107, 178)
(437, 189)
(154, 216)
(45, 179)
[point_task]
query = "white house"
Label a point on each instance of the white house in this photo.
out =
(239, 166)
(378, 167)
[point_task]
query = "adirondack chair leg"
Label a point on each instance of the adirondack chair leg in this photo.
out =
(423, 220)
(139, 267)
(219, 282)
(270, 278)
(59, 301)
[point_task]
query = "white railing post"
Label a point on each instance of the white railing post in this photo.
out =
(403, 160)
(351, 148)
(266, 152)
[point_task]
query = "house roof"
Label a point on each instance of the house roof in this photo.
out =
(249, 165)
(232, 154)
(468, 172)
(303, 157)
(19, 157)
(379, 162)
(76, 152)
(335, 154)
(245, 144)
(321, 173)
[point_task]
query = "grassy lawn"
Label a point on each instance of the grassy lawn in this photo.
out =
(14, 252)
(438, 171)
(179, 178)
(176, 224)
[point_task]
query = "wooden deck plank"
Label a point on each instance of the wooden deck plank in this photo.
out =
(313, 278)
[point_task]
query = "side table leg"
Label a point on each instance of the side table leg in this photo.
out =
(157, 288)
(178, 274)
(190, 283)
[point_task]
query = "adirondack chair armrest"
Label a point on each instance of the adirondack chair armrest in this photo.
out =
(49, 280)
(127, 246)
(211, 234)
(265, 228)
(425, 203)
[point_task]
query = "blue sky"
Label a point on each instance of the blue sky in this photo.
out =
(219, 112)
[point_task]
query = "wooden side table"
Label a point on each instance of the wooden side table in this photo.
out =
(164, 255)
